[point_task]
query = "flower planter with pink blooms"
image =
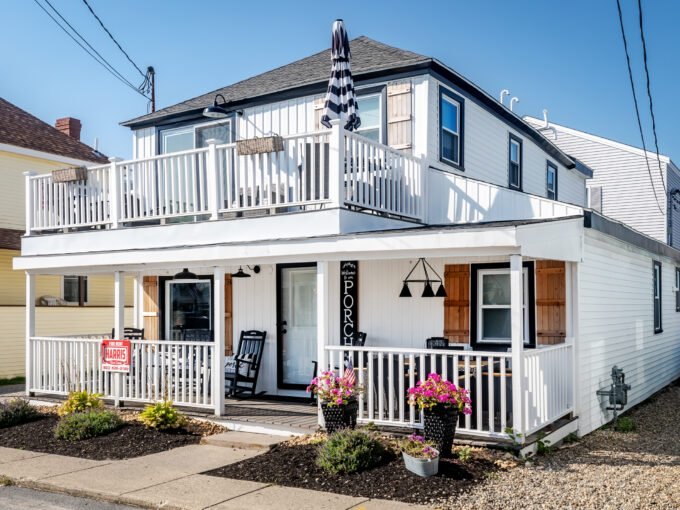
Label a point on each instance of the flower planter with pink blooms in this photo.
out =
(441, 401)
(339, 404)
(420, 457)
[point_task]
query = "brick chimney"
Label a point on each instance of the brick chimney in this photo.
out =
(69, 126)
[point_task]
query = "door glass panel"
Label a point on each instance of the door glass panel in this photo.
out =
(175, 140)
(189, 307)
(220, 132)
(496, 289)
(298, 310)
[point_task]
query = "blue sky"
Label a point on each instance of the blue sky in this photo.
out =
(563, 56)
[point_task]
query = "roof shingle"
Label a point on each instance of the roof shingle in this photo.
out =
(21, 129)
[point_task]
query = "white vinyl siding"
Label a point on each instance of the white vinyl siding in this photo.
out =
(144, 143)
(616, 326)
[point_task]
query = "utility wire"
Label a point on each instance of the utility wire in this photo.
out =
(94, 53)
(637, 110)
(114, 40)
(649, 95)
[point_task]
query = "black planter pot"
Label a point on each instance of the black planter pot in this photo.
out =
(440, 427)
(340, 417)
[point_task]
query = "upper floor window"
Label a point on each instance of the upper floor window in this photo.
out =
(190, 137)
(657, 297)
(551, 181)
(450, 128)
(75, 289)
(515, 163)
(370, 112)
(677, 289)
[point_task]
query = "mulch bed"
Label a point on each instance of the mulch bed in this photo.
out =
(132, 440)
(294, 466)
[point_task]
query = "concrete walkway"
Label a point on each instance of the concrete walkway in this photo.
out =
(171, 480)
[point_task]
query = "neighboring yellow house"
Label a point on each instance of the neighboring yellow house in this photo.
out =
(81, 305)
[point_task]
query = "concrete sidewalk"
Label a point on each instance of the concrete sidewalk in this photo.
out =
(171, 480)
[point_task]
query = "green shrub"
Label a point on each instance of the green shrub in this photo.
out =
(464, 454)
(79, 402)
(16, 412)
(79, 426)
(162, 416)
(350, 451)
(624, 424)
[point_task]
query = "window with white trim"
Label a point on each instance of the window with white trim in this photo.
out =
(551, 181)
(370, 113)
(515, 163)
(74, 289)
(195, 136)
(450, 128)
(657, 297)
(494, 307)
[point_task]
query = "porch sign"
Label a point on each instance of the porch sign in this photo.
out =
(116, 355)
(349, 305)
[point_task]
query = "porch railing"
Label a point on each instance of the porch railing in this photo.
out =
(178, 371)
(387, 373)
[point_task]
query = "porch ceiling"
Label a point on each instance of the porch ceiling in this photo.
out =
(553, 239)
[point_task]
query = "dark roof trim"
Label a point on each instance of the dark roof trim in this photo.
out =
(582, 167)
(620, 231)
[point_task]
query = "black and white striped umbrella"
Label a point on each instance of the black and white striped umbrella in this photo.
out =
(341, 102)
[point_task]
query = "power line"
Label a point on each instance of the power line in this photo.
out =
(94, 53)
(637, 110)
(649, 95)
(114, 40)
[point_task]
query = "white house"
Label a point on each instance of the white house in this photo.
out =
(543, 297)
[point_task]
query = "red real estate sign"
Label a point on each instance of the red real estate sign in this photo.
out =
(116, 355)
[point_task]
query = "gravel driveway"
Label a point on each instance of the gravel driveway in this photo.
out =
(605, 470)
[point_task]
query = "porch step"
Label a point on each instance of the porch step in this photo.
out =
(243, 440)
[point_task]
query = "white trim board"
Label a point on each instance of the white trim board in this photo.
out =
(22, 151)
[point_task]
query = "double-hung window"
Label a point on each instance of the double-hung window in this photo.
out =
(370, 113)
(551, 181)
(677, 289)
(515, 163)
(75, 289)
(493, 295)
(450, 128)
(657, 297)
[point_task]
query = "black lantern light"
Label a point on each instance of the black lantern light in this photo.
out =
(185, 274)
(242, 274)
(217, 111)
(428, 291)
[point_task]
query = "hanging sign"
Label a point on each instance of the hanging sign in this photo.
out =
(116, 355)
(349, 303)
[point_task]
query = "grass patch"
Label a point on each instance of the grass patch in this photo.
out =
(12, 380)
(6, 482)
(624, 424)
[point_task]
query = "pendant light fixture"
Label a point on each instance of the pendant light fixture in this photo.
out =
(242, 274)
(185, 274)
(428, 291)
(217, 111)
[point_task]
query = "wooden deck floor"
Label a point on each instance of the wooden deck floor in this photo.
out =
(297, 416)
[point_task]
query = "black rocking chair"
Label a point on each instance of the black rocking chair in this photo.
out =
(241, 377)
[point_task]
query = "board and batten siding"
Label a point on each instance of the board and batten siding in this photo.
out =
(621, 172)
(616, 326)
(673, 180)
(485, 151)
(144, 143)
(49, 321)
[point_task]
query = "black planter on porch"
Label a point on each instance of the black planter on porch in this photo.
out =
(340, 417)
(440, 427)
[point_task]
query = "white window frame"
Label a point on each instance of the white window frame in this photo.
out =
(551, 168)
(481, 306)
(193, 128)
(658, 289)
(380, 114)
(63, 288)
(168, 319)
(445, 97)
(518, 143)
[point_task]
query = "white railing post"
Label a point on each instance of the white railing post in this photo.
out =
(218, 341)
(30, 329)
(321, 320)
(336, 169)
(118, 325)
(30, 206)
(114, 192)
(422, 201)
(212, 179)
(517, 338)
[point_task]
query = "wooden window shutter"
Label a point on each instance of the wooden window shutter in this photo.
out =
(319, 103)
(150, 308)
(399, 116)
(550, 302)
(457, 303)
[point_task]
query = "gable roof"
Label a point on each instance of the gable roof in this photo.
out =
(21, 129)
(370, 59)
(367, 56)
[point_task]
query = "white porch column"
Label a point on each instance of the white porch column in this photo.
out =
(30, 206)
(114, 192)
(118, 323)
(137, 320)
(218, 332)
(30, 328)
(322, 300)
(212, 179)
(571, 286)
(336, 170)
(517, 337)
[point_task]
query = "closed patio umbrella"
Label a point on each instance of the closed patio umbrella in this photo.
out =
(341, 101)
